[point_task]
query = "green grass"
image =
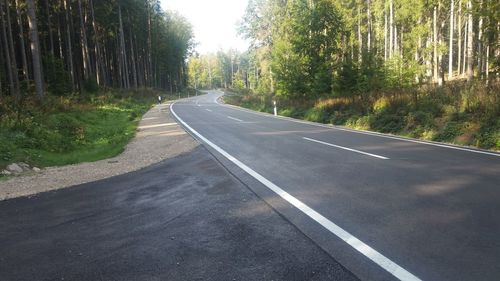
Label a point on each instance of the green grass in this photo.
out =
(72, 130)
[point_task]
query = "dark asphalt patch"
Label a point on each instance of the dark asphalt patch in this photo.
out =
(183, 219)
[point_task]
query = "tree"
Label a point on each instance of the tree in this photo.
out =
(470, 35)
(35, 49)
(450, 44)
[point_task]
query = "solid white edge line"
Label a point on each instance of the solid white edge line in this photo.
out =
(363, 132)
(379, 259)
(346, 148)
(236, 119)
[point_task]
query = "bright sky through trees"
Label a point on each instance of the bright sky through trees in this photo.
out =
(214, 22)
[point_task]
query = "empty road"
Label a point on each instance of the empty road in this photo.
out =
(384, 207)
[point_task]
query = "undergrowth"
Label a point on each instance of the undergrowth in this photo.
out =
(70, 129)
(458, 113)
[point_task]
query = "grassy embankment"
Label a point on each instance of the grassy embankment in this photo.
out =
(458, 113)
(68, 130)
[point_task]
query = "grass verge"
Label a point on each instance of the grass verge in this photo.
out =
(71, 129)
(458, 113)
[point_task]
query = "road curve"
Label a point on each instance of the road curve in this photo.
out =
(385, 207)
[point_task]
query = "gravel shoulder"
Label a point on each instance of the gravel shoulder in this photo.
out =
(159, 137)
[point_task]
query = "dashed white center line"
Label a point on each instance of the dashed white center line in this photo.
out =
(369, 252)
(208, 109)
(346, 148)
(236, 119)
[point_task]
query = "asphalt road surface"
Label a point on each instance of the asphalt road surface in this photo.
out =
(384, 207)
(186, 218)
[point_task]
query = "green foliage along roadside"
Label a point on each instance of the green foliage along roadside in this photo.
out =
(71, 129)
(459, 113)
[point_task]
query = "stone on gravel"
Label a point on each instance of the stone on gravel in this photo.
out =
(5, 173)
(24, 166)
(14, 168)
(154, 143)
(36, 169)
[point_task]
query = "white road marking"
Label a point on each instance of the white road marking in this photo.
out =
(381, 135)
(347, 148)
(382, 261)
(208, 109)
(236, 119)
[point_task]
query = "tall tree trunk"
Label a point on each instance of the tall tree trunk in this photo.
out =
(232, 72)
(470, 34)
(417, 50)
(133, 60)
(35, 49)
(434, 43)
(119, 60)
(385, 34)
(5, 47)
(369, 20)
(13, 61)
(97, 47)
(83, 42)
(450, 51)
(69, 49)
(123, 51)
(24, 60)
(440, 54)
(150, 55)
(59, 38)
(401, 46)
(360, 37)
(459, 43)
(49, 27)
(391, 28)
(395, 46)
(487, 70)
(480, 41)
(464, 51)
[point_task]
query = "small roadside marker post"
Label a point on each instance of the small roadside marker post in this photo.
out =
(275, 109)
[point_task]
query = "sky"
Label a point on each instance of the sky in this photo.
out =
(214, 22)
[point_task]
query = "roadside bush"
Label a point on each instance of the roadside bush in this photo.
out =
(90, 85)
(419, 120)
(58, 79)
(387, 123)
(452, 130)
(488, 135)
(360, 123)
(317, 115)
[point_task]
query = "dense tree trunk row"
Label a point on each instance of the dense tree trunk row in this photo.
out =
(62, 46)
(376, 43)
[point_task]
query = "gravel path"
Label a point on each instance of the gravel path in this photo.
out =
(158, 138)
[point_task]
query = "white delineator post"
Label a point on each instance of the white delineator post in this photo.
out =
(275, 109)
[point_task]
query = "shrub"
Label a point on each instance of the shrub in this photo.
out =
(317, 115)
(58, 79)
(452, 130)
(419, 120)
(387, 123)
(90, 85)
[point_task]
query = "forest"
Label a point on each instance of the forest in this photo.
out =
(425, 69)
(72, 67)
(59, 47)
